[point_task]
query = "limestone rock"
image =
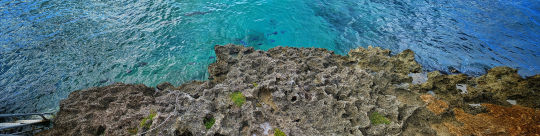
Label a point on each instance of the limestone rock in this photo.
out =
(513, 121)
(306, 91)
(377, 59)
(498, 87)
(434, 105)
(110, 110)
(300, 91)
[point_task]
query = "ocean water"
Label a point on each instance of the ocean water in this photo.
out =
(51, 48)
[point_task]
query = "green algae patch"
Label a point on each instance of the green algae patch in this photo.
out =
(150, 117)
(376, 118)
(277, 132)
(209, 122)
(255, 84)
(238, 99)
(133, 131)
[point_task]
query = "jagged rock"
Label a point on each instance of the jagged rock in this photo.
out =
(496, 87)
(300, 91)
(434, 105)
(468, 96)
(377, 59)
(306, 91)
(513, 121)
(111, 110)
(165, 85)
(504, 83)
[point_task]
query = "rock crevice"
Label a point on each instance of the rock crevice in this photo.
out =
(300, 91)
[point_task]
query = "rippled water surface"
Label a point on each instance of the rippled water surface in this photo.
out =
(51, 48)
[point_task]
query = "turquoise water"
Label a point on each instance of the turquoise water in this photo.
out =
(51, 48)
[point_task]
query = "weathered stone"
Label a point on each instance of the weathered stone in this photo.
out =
(115, 108)
(434, 105)
(165, 85)
(513, 121)
(300, 91)
(500, 86)
(377, 59)
(497, 86)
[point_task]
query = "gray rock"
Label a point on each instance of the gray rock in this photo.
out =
(165, 85)
(300, 91)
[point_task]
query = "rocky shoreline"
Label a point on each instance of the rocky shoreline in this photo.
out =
(310, 91)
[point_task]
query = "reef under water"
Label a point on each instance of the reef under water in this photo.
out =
(310, 91)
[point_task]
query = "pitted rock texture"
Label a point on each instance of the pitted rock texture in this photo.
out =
(512, 121)
(378, 59)
(114, 109)
(111, 110)
(306, 91)
(300, 91)
(491, 90)
(496, 86)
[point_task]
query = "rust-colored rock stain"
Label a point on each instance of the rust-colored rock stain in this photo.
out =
(499, 120)
(435, 106)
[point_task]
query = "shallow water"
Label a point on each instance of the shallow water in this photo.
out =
(51, 48)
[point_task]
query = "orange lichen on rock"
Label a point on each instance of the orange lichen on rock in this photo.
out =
(427, 98)
(434, 105)
(516, 120)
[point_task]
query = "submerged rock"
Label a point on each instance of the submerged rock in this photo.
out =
(298, 91)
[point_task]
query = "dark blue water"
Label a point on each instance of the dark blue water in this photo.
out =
(51, 48)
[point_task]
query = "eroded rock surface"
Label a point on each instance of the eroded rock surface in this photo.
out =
(300, 91)
(513, 121)
(378, 59)
(487, 101)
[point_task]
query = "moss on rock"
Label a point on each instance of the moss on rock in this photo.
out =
(376, 118)
(277, 132)
(238, 99)
(209, 122)
(148, 119)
